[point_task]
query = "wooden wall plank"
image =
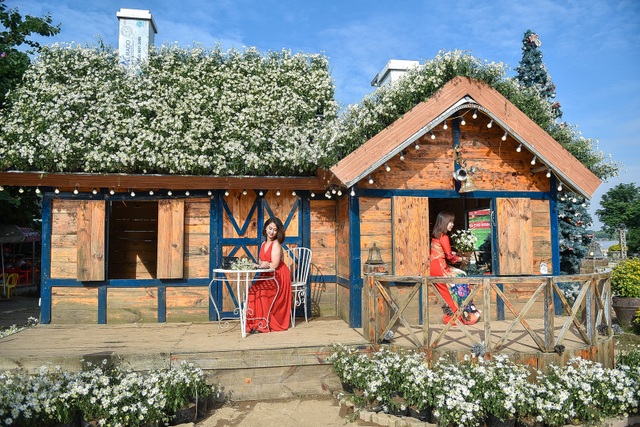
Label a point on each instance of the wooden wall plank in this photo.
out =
(74, 305)
(324, 227)
(188, 304)
(281, 206)
(240, 206)
(196, 238)
(132, 305)
(542, 248)
(376, 227)
(91, 240)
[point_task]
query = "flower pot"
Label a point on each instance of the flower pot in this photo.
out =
(493, 421)
(625, 309)
(185, 415)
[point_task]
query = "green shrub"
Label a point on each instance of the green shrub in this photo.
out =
(614, 248)
(625, 278)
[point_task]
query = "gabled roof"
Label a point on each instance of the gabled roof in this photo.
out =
(463, 92)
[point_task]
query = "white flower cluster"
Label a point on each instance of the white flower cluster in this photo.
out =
(107, 396)
(464, 241)
(467, 393)
(186, 111)
(31, 321)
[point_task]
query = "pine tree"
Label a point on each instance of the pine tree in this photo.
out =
(575, 238)
(573, 214)
(533, 72)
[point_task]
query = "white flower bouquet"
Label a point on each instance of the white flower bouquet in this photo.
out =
(243, 264)
(464, 241)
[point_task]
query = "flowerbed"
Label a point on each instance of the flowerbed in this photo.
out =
(471, 392)
(100, 395)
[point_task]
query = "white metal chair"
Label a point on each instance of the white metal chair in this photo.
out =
(299, 264)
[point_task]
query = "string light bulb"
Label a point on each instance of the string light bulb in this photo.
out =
(37, 190)
(169, 193)
(339, 192)
(186, 193)
(277, 192)
(445, 127)
(133, 193)
(519, 149)
(533, 161)
(57, 190)
(333, 190)
(504, 137)
(370, 180)
(353, 192)
(387, 167)
(1, 188)
(209, 193)
(313, 194)
(293, 193)
(560, 187)
(433, 136)
(402, 156)
(244, 192)
(548, 173)
(327, 194)
(226, 192)
(417, 146)
(112, 191)
(151, 192)
(261, 193)
(94, 191)
(463, 122)
(475, 114)
(21, 190)
(490, 123)
(75, 190)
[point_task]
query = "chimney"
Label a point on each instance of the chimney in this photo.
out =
(137, 33)
(391, 72)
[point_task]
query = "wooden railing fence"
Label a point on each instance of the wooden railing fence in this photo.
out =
(589, 314)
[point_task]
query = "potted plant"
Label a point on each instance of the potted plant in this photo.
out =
(625, 287)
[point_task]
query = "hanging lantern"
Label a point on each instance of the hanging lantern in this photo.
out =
(375, 264)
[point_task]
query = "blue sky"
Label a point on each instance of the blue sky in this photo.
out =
(591, 47)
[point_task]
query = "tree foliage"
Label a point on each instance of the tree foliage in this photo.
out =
(15, 33)
(533, 73)
(620, 206)
(19, 208)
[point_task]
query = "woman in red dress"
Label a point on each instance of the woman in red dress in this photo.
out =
(261, 294)
(441, 257)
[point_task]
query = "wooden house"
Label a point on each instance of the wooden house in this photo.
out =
(141, 248)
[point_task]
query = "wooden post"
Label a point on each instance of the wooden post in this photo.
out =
(486, 306)
(425, 313)
(549, 316)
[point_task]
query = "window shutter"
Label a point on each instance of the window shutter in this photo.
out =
(515, 236)
(411, 235)
(91, 240)
(170, 239)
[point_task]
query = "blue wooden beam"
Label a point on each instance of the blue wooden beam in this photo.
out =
(355, 277)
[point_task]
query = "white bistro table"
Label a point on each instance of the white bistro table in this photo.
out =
(243, 280)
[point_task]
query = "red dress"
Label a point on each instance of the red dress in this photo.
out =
(441, 257)
(261, 295)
